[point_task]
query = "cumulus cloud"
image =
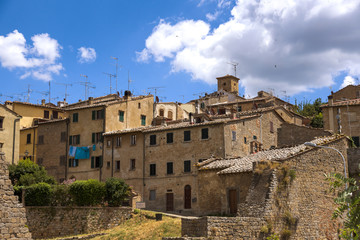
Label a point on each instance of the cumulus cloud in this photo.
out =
(348, 80)
(86, 55)
(38, 61)
(287, 45)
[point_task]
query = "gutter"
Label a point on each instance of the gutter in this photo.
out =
(14, 136)
(103, 145)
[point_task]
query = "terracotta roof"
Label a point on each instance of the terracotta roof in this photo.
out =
(39, 105)
(344, 103)
(52, 121)
(245, 164)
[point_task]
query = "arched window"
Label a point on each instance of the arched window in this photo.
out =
(170, 115)
(187, 197)
(161, 112)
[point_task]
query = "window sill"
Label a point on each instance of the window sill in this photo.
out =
(187, 141)
(154, 145)
(153, 175)
(205, 139)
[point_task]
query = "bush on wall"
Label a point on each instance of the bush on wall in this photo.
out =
(117, 191)
(87, 193)
(38, 194)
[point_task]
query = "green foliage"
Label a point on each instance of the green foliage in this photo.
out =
(348, 201)
(273, 236)
(27, 172)
(38, 194)
(87, 193)
(116, 191)
(312, 111)
(136, 211)
(61, 196)
(285, 234)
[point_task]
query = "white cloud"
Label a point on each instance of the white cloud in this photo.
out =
(288, 45)
(212, 16)
(86, 55)
(40, 58)
(348, 80)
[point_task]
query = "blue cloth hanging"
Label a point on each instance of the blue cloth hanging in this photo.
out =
(82, 153)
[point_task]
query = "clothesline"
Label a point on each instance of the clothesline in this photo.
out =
(81, 152)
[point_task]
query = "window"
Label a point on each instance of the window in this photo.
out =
(28, 138)
(202, 105)
(121, 116)
(75, 117)
(96, 162)
(132, 164)
(73, 162)
(143, 120)
(153, 169)
(245, 140)
(152, 195)
(221, 111)
(108, 164)
(233, 135)
(41, 139)
(254, 137)
(63, 137)
(108, 143)
(118, 141)
(98, 114)
(187, 166)
(169, 138)
(139, 105)
(55, 114)
(62, 161)
(46, 114)
(187, 136)
(161, 112)
(133, 139)
(239, 108)
(152, 139)
(1, 122)
(117, 166)
(170, 115)
(356, 141)
(204, 133)
(271, 127)
(1, 145)
(96, 137)
(169, 168)
(74, 140)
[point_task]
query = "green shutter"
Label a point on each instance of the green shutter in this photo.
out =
(101, 162)
(70, 140)
(93, 115)
(92, 162)
(102, 113)
(78, 139)
(93, 138)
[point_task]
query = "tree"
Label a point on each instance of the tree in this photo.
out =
(26, 173)
(312, 111)
(348, 201)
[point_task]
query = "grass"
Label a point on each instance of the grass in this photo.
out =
(142, 225)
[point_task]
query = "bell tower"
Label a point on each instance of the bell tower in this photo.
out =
(228, 83)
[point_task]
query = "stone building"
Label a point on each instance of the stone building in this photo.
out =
(160, 165)
(173, 110)
(346, 93)
(89, 119)
(280, 191)
(9, 133)
(343, 117)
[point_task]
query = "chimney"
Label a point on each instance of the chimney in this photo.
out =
(330, 100)
(43, 102)
(91, 100)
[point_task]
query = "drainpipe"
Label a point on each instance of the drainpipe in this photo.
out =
(66, 148)
(143, 188)
(13, 152)
(103, 146)
(112, 156)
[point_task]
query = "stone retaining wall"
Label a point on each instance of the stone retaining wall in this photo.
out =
(12, 213)
(49, 222)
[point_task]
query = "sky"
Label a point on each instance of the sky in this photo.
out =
(298, 50)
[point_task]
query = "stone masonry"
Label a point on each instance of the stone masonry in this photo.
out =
(12, 214)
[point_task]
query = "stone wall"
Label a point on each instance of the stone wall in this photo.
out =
(12, 214)
(291, 134)
(354, 161)
(49, 222)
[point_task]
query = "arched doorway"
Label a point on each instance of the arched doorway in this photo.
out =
(187, 197)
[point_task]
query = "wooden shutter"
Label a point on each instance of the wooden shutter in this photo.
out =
(93, 115)
(102, 113)
(93, 138)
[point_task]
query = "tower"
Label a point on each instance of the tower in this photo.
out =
(228, 83)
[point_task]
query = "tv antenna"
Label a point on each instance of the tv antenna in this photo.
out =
(66, 85)
(155, 90)
(116, 73)
(110, 76)
(129, 80)
(86, 84)
(28, 93)
(234, 64)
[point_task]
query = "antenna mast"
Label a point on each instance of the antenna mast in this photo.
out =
(65, 84)
(234, 64)
(110, 75)
(155, 90)
(86, 84)
(129, 80)
(116, 74)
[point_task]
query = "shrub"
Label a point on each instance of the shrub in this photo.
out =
(61, 195)
(87, 193)
(116, 191)
(285, 234)
(38, 195)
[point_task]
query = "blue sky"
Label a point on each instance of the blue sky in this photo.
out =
(299, 50)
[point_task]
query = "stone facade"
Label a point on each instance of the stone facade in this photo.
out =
(50, 222)
(348, 92)
(12, 214)
(52, 149)
(291, 134)
(174, 110)
(9, 134)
